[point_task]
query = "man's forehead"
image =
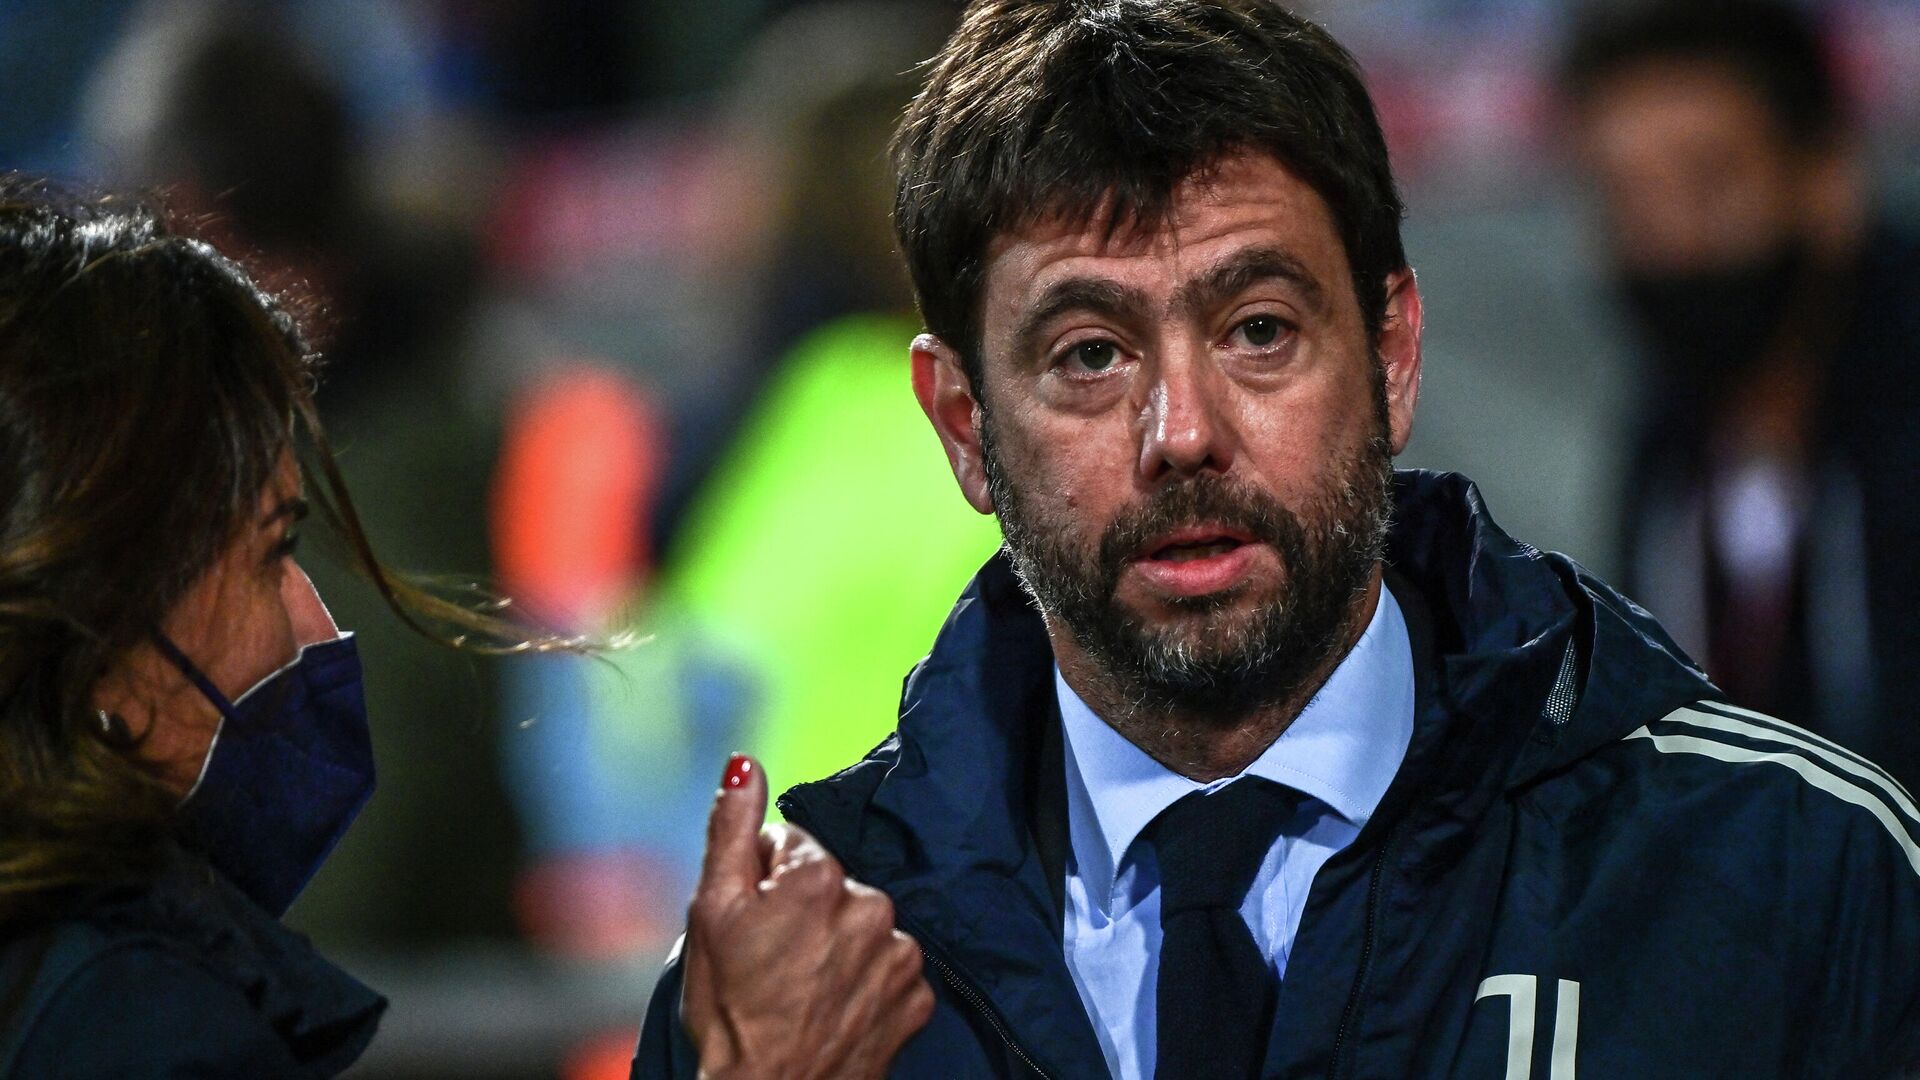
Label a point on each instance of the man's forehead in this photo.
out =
(1245, 195)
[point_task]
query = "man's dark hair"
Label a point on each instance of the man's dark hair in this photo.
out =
(1774, 46)
(1064, 109)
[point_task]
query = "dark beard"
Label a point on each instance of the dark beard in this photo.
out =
(1210, 662)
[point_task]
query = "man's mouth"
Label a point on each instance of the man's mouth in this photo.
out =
(1189, 552)
(1197, 560)
(1194, 542)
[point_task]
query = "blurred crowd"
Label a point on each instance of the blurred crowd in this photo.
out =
(614, 321)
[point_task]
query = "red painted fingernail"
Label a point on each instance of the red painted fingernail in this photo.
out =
(739, 767)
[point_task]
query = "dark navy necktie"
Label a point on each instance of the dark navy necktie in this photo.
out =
(1214, 1004)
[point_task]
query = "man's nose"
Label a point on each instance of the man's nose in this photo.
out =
(1183, 428)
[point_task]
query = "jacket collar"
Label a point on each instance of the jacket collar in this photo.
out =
(325, 1016)
(1538, 661)
(1529, 643)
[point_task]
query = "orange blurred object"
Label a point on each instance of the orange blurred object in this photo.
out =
(580, 466)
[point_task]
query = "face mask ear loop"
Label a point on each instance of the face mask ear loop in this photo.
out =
(194, 675)
(205, 685)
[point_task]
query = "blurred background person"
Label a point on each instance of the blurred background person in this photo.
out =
(1773, 499)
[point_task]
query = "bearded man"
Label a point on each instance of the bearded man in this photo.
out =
(1248, 756)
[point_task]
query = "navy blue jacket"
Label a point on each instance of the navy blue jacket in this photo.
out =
(1584, 863)
(177, 977)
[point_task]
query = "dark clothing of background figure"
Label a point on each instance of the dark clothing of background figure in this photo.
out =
(179, 977)
(1584, 858)
(1838, 650)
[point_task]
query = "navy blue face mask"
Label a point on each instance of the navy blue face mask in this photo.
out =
(290, 766)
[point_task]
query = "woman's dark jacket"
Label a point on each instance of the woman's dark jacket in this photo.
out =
(1586, 865)
(181, 976)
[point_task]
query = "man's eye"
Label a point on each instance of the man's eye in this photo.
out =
(1261, 331)
(1095, 355)
(285, 548)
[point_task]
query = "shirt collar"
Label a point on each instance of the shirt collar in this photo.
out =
(1343, 750)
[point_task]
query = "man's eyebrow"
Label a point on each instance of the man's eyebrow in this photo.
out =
(295, 508)
(1233, 275)
(1095, 295)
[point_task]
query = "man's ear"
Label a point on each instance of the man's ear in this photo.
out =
(1398, 345)
(940, 382)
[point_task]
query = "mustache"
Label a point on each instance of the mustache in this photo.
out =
(1207, 498)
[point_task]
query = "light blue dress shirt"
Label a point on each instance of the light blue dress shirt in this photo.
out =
(1341, 752)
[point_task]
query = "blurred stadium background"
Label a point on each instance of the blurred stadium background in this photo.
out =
(614, 322)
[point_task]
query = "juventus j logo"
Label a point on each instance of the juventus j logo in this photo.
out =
(1521, 992)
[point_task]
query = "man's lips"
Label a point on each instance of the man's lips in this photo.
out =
(1193, 541)
(1197, 559)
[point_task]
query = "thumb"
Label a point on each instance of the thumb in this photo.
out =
(734, 863)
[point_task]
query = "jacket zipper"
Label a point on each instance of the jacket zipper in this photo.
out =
(973, 998)
(1352, 1010)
